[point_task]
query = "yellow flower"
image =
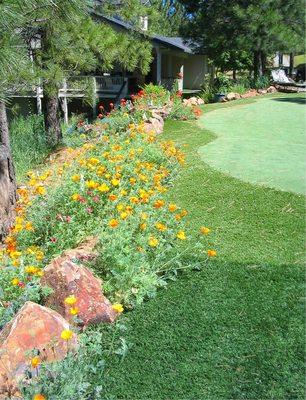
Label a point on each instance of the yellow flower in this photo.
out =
(70, 300)
(103, 188)
(15, 281)
(40, 190)
(123, 192)
(75, 178)
(204, 230)
(113, 223)
(181, 235)
(134, 200)
(16, 263)
(132, 181)
(74, 310)
(31, 269)
(172, 207)
(153, 242)
(17, 228)
(92, 184)
(75, 197)
(144, 215)
(35, 361)
(124, 215)
(39, 396)
(161, 227)
(115, 182)
(211, 253)
(66, 334)
(118, 307)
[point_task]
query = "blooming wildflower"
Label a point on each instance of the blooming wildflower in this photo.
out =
(211, 253)
(181, 235)
(204, 230)
(103, 188)
(39, 396)
(112, 197)
(66, 334)
(153, 242)
(15, 281)
(115, 182)
(161, 227)
(92, 184)
(76, 178)
(123, 215)
(74, 310)
(113, 223)
(71, 300)
(132, 181)
(29, 226)
(158, 204)
(143, 226)
(35, 361)
(172, 207)
(118, 307)
(40, 190)
(75, 197)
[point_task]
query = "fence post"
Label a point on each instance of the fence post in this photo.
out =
(94, 98)
(65, 102)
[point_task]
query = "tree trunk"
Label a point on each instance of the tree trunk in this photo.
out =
(7, 176)
(234, 74)
(263, 58)
(52, 119)
(256, 64)
(291, 65)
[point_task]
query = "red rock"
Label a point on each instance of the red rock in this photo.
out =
(84, 252)
(33, 328)
(67, 278)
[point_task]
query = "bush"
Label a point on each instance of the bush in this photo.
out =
(262, 82)
(181, 112)
(151, 96)
(28, 141)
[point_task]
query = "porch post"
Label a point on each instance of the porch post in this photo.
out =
(158, 66)
(94, 97)
(65, 102)
(181, 81)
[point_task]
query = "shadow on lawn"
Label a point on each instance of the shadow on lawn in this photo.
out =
(297, 100)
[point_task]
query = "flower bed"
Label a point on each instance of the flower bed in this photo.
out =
(113, 187)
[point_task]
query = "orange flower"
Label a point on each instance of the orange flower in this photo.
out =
(158, 204)
(113, 223)
(112, 197)
(211, 253)
(172, 207)
(204, 230)
(39, 396)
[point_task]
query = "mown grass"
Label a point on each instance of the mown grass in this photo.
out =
(235, 329)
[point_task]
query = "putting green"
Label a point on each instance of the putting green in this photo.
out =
(262, 142)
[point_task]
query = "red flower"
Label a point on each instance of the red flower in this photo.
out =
(21, 284)
(101, 107)
(53, 240)
(111, 105)
(100, 116)
(123, 101)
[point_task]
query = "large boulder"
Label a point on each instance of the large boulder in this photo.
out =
(85, 251)
(231, 96)
(262, 91)
(249, 94)
(68, 278)
(271, 89)
(34, 328)
(154, 124)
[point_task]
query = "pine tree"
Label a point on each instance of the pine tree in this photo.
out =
(72, 43)
(256, 27)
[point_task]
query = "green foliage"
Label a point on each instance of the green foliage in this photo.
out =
(80, 375)
(151, 96)
(181, 112)
(28, 142)
(261, 82)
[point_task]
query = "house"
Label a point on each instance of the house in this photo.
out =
(174, 65)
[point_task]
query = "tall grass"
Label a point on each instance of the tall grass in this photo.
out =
(28, 143)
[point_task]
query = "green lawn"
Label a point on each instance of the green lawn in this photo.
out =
(235, 329)
(262, 142)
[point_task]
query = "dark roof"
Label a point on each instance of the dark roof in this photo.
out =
(174, 42)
